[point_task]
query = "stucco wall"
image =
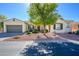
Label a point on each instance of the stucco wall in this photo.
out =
(66, 27)
(16, 22)
(75, 26)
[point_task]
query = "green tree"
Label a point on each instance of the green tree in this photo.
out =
(2, 18)
(43, 14)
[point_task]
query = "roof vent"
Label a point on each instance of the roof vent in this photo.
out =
(14, 19)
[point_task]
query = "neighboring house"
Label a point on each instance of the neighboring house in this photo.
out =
(75, 26)
(14, 25)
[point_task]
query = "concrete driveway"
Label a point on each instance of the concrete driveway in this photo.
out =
(4, 36)
(13, 48)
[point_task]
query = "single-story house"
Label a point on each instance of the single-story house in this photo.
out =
(15, 25)
(75, 26)
(61, 26)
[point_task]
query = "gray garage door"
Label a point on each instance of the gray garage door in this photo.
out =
(14, 28)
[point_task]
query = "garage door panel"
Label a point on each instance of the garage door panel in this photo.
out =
(14, 28)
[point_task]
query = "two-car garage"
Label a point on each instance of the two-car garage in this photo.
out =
(14, 26)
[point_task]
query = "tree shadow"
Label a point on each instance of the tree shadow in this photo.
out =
(45, 48)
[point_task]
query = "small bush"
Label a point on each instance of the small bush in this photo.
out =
(73, 32)
(70, 32)
(44, 31)
(17, 37)
(29, 32)
(77, 32)
(26, 31)
(35, 31)
(32, 31)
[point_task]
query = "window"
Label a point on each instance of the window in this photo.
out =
(58, 26)
(68, 25)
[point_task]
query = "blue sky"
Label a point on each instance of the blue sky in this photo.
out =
(19, 10)
(69, 11)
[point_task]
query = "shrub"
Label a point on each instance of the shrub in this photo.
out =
(70, 32)
(29, 32)
(16, 37)
(73, 32)
(32, 31)
(77, 32)
(44, 31)
(35, 31)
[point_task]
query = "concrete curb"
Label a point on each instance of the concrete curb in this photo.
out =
(29, 43)
(72, 41)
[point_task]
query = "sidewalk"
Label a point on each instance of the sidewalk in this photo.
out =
(1, 39)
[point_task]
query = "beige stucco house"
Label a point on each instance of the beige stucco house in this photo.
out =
(61, 26)
(75, 26)
(15, 25)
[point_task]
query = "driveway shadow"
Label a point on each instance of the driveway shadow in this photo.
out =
(3, 35)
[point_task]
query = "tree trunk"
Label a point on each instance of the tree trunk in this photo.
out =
(49, 26)
(45, 32)
(38, 28)
(44, 28)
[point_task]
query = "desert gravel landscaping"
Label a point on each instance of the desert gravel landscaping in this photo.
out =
(33, 37)
(70, 36)
(23, 38)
